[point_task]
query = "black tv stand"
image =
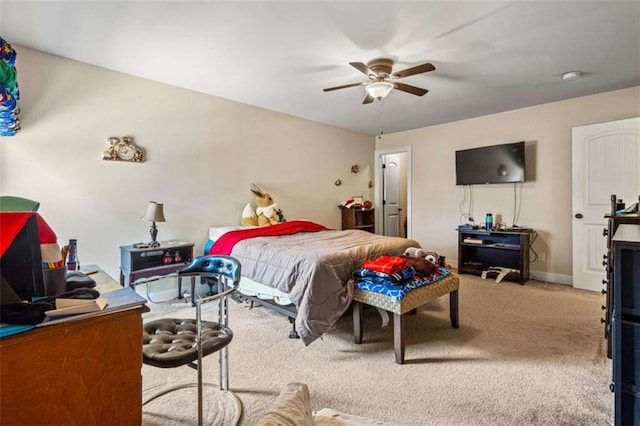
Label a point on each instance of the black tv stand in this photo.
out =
(479, 250)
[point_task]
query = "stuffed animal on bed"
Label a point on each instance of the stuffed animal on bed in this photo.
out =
(414, 252)
(249, 217)
(267, 213)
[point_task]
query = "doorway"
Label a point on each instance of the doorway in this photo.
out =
(393, 192)
(606, 161)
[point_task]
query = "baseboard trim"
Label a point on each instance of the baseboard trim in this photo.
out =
(551, 277)
(544, 276)
(160, 296)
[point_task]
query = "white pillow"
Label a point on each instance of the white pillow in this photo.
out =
(216, 232)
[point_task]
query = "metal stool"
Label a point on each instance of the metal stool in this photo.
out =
(173, 342)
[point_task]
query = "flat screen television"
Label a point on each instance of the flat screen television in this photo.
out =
(491, 164)
(21, 263)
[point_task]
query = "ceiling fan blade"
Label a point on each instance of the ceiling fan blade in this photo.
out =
(329, 89)
(368, 99)
(410, 89)
(363, 69)
(414, 70)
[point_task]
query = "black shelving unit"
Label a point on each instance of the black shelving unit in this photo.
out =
(505, 249)
(626, 324)
(613, 222)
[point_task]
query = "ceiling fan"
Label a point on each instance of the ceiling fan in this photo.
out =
(382, 80)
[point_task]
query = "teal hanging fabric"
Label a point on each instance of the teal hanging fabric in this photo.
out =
(9, 92)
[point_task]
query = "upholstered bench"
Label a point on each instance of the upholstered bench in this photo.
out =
(408, 304)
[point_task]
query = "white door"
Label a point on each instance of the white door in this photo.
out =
(391, 195)
(606, 161)
(404, 191)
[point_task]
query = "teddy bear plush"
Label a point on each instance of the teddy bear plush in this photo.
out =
(267, 213)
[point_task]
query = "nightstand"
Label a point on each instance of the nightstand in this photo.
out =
(145, 262)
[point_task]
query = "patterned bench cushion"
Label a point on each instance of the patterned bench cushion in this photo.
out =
(412, 299)
(399, 292)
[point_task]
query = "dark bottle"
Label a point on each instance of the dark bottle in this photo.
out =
(72, 258)
(488, 222)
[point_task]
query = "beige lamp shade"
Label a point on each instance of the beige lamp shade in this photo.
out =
(154, 213)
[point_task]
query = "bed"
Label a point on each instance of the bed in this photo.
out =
(303, 263)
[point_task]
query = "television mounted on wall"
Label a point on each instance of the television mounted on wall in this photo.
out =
(491, 164)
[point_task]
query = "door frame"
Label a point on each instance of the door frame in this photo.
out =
(378, 157)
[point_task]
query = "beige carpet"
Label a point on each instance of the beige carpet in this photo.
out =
(523, 355)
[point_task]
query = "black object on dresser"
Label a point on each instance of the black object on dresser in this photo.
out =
(626, 324)
(479, 250)
(144, 262)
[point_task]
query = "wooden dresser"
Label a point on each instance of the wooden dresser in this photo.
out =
(78, 372)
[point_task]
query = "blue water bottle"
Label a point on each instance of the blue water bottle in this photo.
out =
(488, 222)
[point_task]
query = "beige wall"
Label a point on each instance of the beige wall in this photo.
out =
(202, 152)
(546, 196)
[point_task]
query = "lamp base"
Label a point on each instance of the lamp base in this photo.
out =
(154, 233)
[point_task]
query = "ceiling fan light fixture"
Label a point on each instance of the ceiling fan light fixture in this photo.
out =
(571, 75)
(379, 89)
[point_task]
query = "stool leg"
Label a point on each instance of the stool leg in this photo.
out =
(357, 321)
(398, 341)
(199, 348)
(224, 320)
(453, 308)
(193, 291)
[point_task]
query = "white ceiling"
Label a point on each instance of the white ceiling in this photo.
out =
(489, 56)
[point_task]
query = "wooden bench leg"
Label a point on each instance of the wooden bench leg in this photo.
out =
(357, 321)
(453, 308)
(398, 341)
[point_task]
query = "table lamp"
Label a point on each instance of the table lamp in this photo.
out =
(154, 214)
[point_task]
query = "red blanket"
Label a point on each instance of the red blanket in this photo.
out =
(386, 264)
(225, 243)
(12, 223)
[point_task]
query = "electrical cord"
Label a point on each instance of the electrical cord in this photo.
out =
(517, 205)
(471, 204)
(515, 198)
(461, 205)
(468, 216)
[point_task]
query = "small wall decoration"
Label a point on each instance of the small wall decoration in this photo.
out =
(355, 168)
(9, 93)
(338, 182)
(123, 149)
(370, 184)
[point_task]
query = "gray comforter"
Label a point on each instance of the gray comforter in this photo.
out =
(313, 268)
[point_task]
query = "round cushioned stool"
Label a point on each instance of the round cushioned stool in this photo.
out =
(171, 342)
